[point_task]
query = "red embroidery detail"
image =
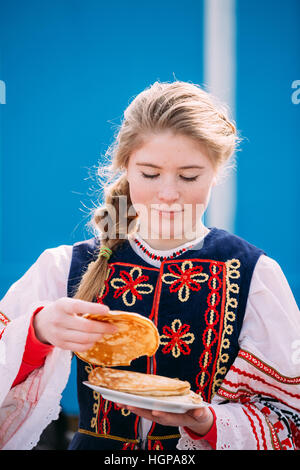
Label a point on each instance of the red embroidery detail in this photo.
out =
(276, 442)
(287, 443)
(243, 384)
(106, 285)
(266, 411)
(267, 369)
(128, 446)
(157, 445)
(296, 435)
(184, 278)
(157, 257)
(176, 338)
(210, 334)
(130, 284)
(252, 409)
(5, 320)
(240, 393)
(256, 377)
(278, 426)
(104, 424)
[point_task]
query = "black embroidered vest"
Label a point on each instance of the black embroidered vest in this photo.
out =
(197, 301)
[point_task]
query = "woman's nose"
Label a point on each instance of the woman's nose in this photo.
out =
(168, 193)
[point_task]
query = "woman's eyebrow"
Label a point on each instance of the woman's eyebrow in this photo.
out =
(151, 165)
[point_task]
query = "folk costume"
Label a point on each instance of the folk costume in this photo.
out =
(228, 323)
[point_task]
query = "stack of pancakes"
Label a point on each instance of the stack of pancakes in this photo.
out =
(136, 336)
(147, 385)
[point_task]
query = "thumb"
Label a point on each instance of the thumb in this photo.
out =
(200, 414)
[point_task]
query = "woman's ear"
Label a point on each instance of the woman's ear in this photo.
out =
(214, 181)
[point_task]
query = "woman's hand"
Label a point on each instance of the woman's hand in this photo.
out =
(199, 420)
(61, 324)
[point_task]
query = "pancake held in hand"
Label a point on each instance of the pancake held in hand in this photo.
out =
(136, 336)
(138, 383)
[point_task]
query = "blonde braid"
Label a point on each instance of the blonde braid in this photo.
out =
(111, 235)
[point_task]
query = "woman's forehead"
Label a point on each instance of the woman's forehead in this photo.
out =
(169, 150)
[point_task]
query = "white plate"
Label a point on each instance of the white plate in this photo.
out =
(171, 404)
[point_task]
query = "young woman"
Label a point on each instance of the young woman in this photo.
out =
(227, 319)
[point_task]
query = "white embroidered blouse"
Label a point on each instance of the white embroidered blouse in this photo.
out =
(256, 407)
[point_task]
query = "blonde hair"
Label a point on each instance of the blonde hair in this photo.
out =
(181, 107)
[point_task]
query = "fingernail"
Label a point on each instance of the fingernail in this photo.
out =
(103, 307)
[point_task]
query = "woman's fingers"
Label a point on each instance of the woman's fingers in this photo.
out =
(80, 337)
(81, 307)
(61, 323)
(89, 326)
(71, 317)
(200, 416)
(154, 415)
(142, 412)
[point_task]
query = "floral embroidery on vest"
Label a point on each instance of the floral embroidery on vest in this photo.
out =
(131, 286)
(176, 339)
(184, 278)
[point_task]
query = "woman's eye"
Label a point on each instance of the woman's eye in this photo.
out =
(184, 178)
(192, 178)
(149, 176)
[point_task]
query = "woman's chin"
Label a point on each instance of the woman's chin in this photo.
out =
(166, 231)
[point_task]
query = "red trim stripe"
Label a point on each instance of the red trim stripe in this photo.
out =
(4, 319)
(262, 431)
(253, 428)
(256, 362)
(259, 379)
(247, 393)
(274, 437)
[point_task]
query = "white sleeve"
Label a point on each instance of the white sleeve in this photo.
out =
(34, 402)
(45, 281)
(258, 404)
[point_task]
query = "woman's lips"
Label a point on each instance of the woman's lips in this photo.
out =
(170, 214)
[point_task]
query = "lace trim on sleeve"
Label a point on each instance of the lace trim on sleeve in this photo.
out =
(187, 443)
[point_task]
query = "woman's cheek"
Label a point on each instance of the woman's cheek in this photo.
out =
(143, 198)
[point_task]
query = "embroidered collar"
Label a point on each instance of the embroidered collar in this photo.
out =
(156, 257)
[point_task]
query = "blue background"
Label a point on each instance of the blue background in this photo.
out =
(70, 69)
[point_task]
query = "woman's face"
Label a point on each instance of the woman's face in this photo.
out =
(170, 179)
